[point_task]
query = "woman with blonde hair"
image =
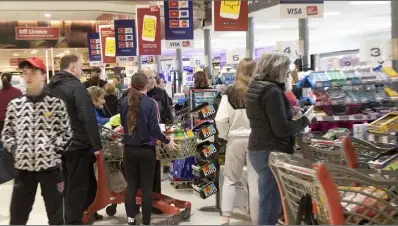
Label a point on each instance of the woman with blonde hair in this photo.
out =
(272, 128)
(233, 126)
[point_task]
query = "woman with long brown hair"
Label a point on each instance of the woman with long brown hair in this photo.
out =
(233, 126)
(139, 116)
(201, 81)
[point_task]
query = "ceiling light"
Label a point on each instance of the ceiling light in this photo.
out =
(15, 54)
(267, 26)
(47, 15)
(369, 2)
(332, 13)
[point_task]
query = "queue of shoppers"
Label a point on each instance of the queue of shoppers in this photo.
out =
(53, 134)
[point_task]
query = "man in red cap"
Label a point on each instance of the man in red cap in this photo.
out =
(36, 131)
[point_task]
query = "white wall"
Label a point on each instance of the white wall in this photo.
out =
(335, 44)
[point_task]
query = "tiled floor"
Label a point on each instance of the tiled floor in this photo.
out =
(38, 214)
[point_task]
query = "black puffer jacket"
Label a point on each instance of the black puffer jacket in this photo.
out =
(270, 115)
(80, 109)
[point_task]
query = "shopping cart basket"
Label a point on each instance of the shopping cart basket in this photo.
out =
(110, 161)
(349, 151)
(340, 195)
(186, 147)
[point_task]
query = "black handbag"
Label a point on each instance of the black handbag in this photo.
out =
(7, 171)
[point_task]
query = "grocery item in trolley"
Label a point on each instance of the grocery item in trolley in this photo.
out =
(340, 195)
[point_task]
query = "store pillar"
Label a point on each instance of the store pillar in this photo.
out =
(139, 62)
(158, 64)
(394, 33)
(304, 42)
(178, 82)
(207, 42)
(250, 39)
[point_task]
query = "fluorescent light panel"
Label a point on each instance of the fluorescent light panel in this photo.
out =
(332, 13)
(369, 2)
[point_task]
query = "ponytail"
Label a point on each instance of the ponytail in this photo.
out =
(132, 114)
(6, 80)
(139, 81)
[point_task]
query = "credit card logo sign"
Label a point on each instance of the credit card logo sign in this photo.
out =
(209, 131)
(209, 169)
(312, 10)
(209, 150)
(209, 190)
(208, 111)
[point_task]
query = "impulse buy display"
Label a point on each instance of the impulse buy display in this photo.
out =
(207, 167)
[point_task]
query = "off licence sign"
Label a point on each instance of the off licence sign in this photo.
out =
(37, 33)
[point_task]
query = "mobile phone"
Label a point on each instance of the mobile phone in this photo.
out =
(110, 47)
(230, 9)
(149, 28)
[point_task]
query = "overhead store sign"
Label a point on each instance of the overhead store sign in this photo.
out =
(375, 51)
(108, 44)
(230, 15)
(94, 48)
(179, 26)
(37, 33)
(289, 48)
(149, 33)
(301, 9)
(234, 56)
(125, 37)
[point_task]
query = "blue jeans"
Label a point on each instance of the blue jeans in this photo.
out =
(270, 205)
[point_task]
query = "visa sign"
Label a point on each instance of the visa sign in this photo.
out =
(294, 11)
(301, 10)
(178, 44)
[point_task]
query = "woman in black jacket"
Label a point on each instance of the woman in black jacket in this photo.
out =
(272, 128)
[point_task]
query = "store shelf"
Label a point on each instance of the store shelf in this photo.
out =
(357, 117)
(338, 84)
(387, 138)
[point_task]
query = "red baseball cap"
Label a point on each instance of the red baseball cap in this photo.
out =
(35, 62)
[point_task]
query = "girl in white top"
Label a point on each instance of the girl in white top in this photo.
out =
(233, 126)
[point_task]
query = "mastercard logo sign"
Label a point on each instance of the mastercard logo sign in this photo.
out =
(184, 23)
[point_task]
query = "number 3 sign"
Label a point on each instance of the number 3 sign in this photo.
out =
(290, 49)
(375, 51)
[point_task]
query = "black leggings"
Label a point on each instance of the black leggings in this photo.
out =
(139, 167)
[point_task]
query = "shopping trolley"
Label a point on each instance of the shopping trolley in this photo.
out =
(338, 195)
(111, 191)
(349, 151)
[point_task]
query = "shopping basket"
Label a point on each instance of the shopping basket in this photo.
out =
(350, 151)
(318, 149)
(186, 147)
(109, 161)
(340, 195)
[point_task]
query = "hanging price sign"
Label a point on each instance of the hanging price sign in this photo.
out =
(290, 49)
(235, 56)
(375, 51)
